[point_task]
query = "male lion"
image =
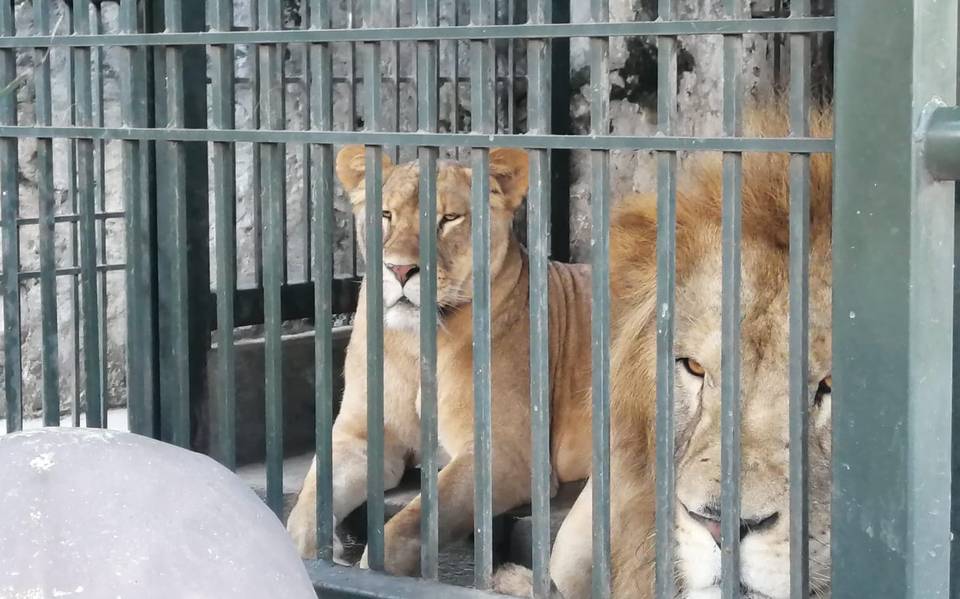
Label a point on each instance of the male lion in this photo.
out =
(569, 300)
(764, 528)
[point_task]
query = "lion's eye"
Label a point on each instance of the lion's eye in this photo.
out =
(693, 367)
(446, 218)
(386, 214)
(823, 389)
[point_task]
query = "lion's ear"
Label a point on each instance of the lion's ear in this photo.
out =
(352, 166)
(510, 168)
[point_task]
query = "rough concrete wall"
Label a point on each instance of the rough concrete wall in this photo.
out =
(632, 109)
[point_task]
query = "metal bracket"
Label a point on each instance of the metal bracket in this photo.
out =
(941, 143)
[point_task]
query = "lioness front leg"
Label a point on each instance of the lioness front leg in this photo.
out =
(349, 489)
(511, 487)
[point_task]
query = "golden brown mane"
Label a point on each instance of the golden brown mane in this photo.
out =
(765, 220)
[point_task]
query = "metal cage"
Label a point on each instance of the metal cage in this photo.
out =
(893, 234)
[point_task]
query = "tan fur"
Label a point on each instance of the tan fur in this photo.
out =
(764, 382)
(569, 336)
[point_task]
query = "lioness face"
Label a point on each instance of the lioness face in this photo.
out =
(401, 226)
(765, 360)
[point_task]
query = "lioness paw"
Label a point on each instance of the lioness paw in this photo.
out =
(512, 579)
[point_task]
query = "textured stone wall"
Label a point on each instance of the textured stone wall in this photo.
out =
(632, 109)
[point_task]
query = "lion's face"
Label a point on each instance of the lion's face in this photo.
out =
(765, 485)
(401, 226)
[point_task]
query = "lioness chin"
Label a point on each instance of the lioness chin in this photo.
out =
(569, 340)
(765, 361)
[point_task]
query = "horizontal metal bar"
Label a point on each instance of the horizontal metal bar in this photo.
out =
(66, 271)
(338, 582)
(942, 143)
(796, 145)
(72, 218)
(448, 32)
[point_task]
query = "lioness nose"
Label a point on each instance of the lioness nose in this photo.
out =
(403, 272)
(709, 518)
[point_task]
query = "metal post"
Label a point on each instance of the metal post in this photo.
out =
(892, 303)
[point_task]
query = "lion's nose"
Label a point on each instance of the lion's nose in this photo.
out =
(709, 517)
(403, 272)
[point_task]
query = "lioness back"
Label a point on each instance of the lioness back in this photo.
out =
(570, 367)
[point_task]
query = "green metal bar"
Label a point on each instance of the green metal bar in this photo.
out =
(73, 218)
(175, 352)
(892, 300)
(539, 117)
(222, 109)
(88, 234)
(483, 120)
(256, 159)
(428, 113)
(373, 218)
(449, 32)
(140, 412)
(600, 306)
(9, 209)
(322, 197)
(47, 214)
(799, 311)
(306, 150)
(955, 431)
(530, 141)
(666, 282)
(730, 315)
(339, 582)
(74, 237)
(100, 179)
(273, 192)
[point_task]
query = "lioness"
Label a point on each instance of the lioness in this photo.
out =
(764, 530)
(569, 305)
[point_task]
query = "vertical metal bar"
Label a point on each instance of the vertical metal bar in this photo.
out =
(799, 294)
(172, 195)
(47, 210)
(306, 150)
(225, 201)
(74, 233)
(9, 211)
(255, 165)
(352, 18)
(483, 119)
(273, 178)
(538, 242)
(87, 209)
(600, 307)
(392, 7)
(666, 280)
(322, 196)
(730, 315)
(100, 178)
(133, 99)
(428, 112)
(955, 430)
(455, 118)
(891, 294)
(373, 11)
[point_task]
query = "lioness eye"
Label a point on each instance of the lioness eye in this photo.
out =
(824, 388)
(692, 366)
(386, 214)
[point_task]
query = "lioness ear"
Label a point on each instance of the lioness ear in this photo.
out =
(352, 166)
(510, 168)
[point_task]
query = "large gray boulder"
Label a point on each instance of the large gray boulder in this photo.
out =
(104, 514)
